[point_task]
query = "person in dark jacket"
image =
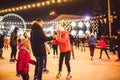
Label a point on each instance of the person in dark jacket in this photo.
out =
(118, 43)
(55, 47)
(112, 44)
(1, 46)
(13, 44)
(38, 38)
(72, 45)
(83, 39)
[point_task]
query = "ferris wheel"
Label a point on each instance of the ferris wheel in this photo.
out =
(10, 21)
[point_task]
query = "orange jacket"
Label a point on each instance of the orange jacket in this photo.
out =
(64, 42)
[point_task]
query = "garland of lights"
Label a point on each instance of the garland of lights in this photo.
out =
(51, 22)
(34, 5)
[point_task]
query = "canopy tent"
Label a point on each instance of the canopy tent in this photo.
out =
(67, 17)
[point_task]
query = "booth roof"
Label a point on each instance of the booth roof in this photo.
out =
(67, 17)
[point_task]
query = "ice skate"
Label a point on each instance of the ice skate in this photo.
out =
(68, 77)
(58, 76)
(45, 71)
(12, 60)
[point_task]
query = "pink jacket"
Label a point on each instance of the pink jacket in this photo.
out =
(22, 65)
(102, 43)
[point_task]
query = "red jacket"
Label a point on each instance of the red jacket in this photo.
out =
(64, 42)
(23, 61)
(102, 43)
(54, 42)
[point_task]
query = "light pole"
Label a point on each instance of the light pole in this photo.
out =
(109, 15)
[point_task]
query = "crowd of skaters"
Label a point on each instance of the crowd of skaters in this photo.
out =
(61, 39)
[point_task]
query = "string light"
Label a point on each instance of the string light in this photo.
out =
(38, 4)
(24, 7)
(53, 1)
(43, 4)
(48, 2)
(59, 1)
(34, 5)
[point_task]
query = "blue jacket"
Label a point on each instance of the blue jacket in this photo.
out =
(92, 40)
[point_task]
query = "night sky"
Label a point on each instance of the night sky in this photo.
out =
(77, 7)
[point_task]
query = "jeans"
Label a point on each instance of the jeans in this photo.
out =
(92, 48)
(44, 61)
(38, 67)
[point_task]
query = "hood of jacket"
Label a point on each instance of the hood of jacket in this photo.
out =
(35, 26)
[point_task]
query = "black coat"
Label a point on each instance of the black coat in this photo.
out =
(37, 39)
(118, 40)
(2, 41)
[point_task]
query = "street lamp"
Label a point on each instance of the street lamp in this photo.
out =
(109, 15)
(52, 13)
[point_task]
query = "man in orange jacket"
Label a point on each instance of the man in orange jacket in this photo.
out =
(65, 48)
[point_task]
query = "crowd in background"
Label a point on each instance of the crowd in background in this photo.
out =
(40, 45)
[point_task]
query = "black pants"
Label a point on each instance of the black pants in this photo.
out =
(104, 49)
(65, 55)
(25, 76)
(92, 48)
(118, 52)
(13, 51)
(55, 49)
(1, 52)
(38, 68)
(112, 49)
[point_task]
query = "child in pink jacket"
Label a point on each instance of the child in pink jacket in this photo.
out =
(103, 46)
(23, 60)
